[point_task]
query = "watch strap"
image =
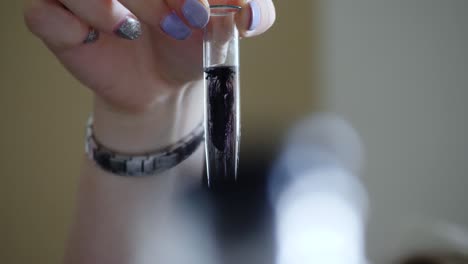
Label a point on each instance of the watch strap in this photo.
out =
(146, 164)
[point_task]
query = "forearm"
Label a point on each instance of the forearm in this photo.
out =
(116, 216)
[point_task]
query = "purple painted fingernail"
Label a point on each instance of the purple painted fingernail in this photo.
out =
(195, 13)
(175, 27)
(255, 17)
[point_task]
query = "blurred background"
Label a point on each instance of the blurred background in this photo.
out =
(397, 70)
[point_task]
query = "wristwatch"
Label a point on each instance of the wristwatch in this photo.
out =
(145, 164)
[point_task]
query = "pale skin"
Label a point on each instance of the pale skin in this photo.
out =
(147, 94)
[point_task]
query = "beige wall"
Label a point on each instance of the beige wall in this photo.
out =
(43, 112)
(278, 73)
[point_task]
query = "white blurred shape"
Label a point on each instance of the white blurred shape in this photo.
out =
(183, 234)
(330, 135)
(320, 206)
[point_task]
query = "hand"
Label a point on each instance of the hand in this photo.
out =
(147, 50)
(145, 64)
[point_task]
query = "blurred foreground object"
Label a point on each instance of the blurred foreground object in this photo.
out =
(320, 205)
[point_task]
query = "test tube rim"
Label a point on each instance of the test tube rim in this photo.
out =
(229, 9)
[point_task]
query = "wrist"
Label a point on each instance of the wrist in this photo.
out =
(162, 124)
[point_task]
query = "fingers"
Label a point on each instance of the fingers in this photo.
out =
(178, 18)
(256, 17)
(56, 26)
(158, 14)
(108, 16)
(196, 13)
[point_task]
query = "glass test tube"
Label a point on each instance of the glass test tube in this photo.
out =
(221, 66)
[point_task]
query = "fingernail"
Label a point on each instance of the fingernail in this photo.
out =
(255, 15)
(130, 29)
(195, 13)
(175, 27)
(92, 36)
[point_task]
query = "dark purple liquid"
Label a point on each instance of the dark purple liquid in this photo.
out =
(221, 126)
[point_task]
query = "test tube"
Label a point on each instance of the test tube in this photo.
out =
(221, 67)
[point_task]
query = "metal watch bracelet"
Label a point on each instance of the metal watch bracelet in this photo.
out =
(145, 164)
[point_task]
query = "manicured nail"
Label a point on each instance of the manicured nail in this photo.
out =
(195, 13)
(93, 36)
(130, 29)
(175, 27)
(255, 15)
